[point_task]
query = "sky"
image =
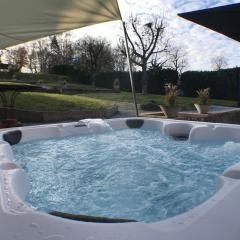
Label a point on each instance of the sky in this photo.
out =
(201, 44)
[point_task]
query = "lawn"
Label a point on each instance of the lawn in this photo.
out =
(58, 102)
(53, 83)
(143, 99)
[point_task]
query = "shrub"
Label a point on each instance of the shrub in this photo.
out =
(171, 93)
(223, 83)
(203, 96)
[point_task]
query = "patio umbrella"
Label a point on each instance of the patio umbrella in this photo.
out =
(25, 20)
(224, 20)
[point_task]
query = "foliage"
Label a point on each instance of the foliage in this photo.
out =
(223, 83)
(5, 75)
(156, 80)
(171, 93)
(67, 70)
(44, 77)
(203, 96)
(34, 78)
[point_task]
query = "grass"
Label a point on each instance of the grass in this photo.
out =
(53, 84)
(14, 83)
(58, 102)
(143, 99)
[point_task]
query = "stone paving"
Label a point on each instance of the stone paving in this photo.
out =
(216, 114)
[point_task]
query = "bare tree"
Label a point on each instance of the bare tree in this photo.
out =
(54, 52)
(43, 55)
(147, 45)
(18, 58)
(1, 54)
(60, 50)
(219, 62)
(33, 60)
(66, 49)
(49, 52)
(159, 62)
(95, 56)
(178, 61)
(120, 60)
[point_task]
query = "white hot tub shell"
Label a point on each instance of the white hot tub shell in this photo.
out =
(216, 219)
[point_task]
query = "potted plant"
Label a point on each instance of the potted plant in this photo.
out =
(170, 110)
(203, 98)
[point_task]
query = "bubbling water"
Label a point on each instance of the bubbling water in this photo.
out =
(96, 125)
(135, 174)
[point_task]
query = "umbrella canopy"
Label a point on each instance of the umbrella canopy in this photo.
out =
(224, 19)
(25, 20)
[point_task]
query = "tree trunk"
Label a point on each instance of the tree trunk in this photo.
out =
(144, 80)
(94, 74)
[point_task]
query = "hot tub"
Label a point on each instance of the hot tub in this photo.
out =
(215, 218)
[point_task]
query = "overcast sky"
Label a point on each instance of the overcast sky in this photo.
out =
(201, 44)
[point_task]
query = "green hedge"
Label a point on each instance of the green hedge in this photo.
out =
(223, 84)
(105, 80)
(63, 70)
(156, 80)
(30, 77)
(42, 76)
(5, 75)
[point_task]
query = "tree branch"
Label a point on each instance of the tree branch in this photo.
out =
(130, 41)
(139, 37)
(152, 39)
(155, 43)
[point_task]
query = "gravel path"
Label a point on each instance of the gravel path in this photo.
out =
(125, 110)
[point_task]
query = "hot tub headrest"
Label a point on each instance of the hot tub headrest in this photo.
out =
(13, 137)
(134, 123)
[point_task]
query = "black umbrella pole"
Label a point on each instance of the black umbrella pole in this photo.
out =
(130, 70)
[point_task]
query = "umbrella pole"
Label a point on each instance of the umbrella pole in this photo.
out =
(130, 70)
(238, 94)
